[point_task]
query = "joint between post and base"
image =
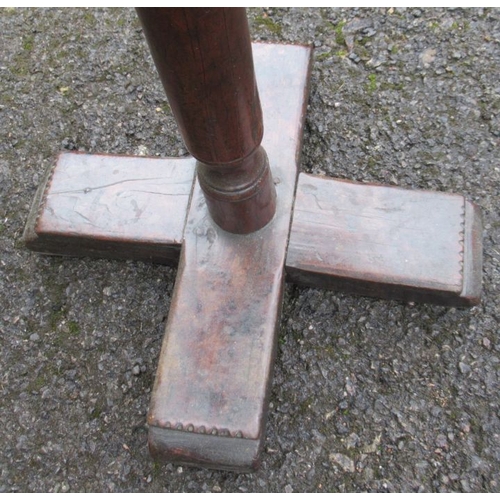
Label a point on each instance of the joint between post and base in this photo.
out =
(241, 198)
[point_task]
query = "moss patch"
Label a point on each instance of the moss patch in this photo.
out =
(371, 86)
(268, 24)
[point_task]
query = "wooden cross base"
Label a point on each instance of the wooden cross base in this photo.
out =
(211, 393)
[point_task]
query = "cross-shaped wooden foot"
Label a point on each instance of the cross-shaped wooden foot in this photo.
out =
(237, 226)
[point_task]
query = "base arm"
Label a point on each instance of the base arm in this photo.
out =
(112, 207)
(386, 242)
(212, 388)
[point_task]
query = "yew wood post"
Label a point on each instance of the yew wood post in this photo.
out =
(204, 58)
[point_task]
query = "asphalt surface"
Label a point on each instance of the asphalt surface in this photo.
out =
(368, 395)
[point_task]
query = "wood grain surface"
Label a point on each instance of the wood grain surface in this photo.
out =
(111, 206)
(216, 362)
(385, 241)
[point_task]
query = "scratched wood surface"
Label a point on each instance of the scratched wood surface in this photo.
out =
(211, 392)
(112, 207)
(385, 242)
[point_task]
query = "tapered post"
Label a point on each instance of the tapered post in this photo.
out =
(204, 58)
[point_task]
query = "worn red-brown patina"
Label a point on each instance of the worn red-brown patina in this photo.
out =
(216, 363)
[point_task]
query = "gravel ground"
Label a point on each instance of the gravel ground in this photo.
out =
(368, 395)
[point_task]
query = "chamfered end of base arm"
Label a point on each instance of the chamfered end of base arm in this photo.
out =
(30, 237)
(204, 450)
(473, 255)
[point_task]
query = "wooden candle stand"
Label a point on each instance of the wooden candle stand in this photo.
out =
(235, 216)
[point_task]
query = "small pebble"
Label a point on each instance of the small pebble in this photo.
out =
(464, 368)
(441, 441)
(343, 460)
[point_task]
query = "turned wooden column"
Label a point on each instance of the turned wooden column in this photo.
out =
(204, 58)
